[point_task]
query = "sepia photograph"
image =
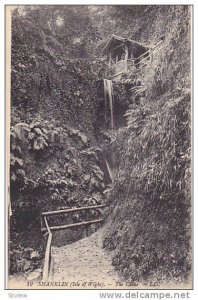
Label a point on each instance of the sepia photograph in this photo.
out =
(98, 145)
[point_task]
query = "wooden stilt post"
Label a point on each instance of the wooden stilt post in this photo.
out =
(41, 222)
(87, 227)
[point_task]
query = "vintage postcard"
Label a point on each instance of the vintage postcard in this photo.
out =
(98, 139)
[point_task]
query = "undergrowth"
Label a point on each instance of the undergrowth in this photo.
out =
(149, 226)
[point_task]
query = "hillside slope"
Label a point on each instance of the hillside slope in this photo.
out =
(149, 220)
(54, 157)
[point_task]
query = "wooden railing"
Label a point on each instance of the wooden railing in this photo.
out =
(147, 57)
(47, 229)
(142, 62)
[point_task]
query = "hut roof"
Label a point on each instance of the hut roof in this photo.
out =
(115, 41)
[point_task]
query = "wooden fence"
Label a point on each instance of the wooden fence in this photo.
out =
(47, 229)
(140, 63)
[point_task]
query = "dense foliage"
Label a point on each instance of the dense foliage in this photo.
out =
(151, 196)
(52, 168)
(57, 122)
(54, 161)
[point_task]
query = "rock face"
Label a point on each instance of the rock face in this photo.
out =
(35, 275)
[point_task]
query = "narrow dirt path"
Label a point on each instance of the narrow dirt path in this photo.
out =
(84, 264)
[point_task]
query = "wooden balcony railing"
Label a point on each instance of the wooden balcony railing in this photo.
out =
(134, 65)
